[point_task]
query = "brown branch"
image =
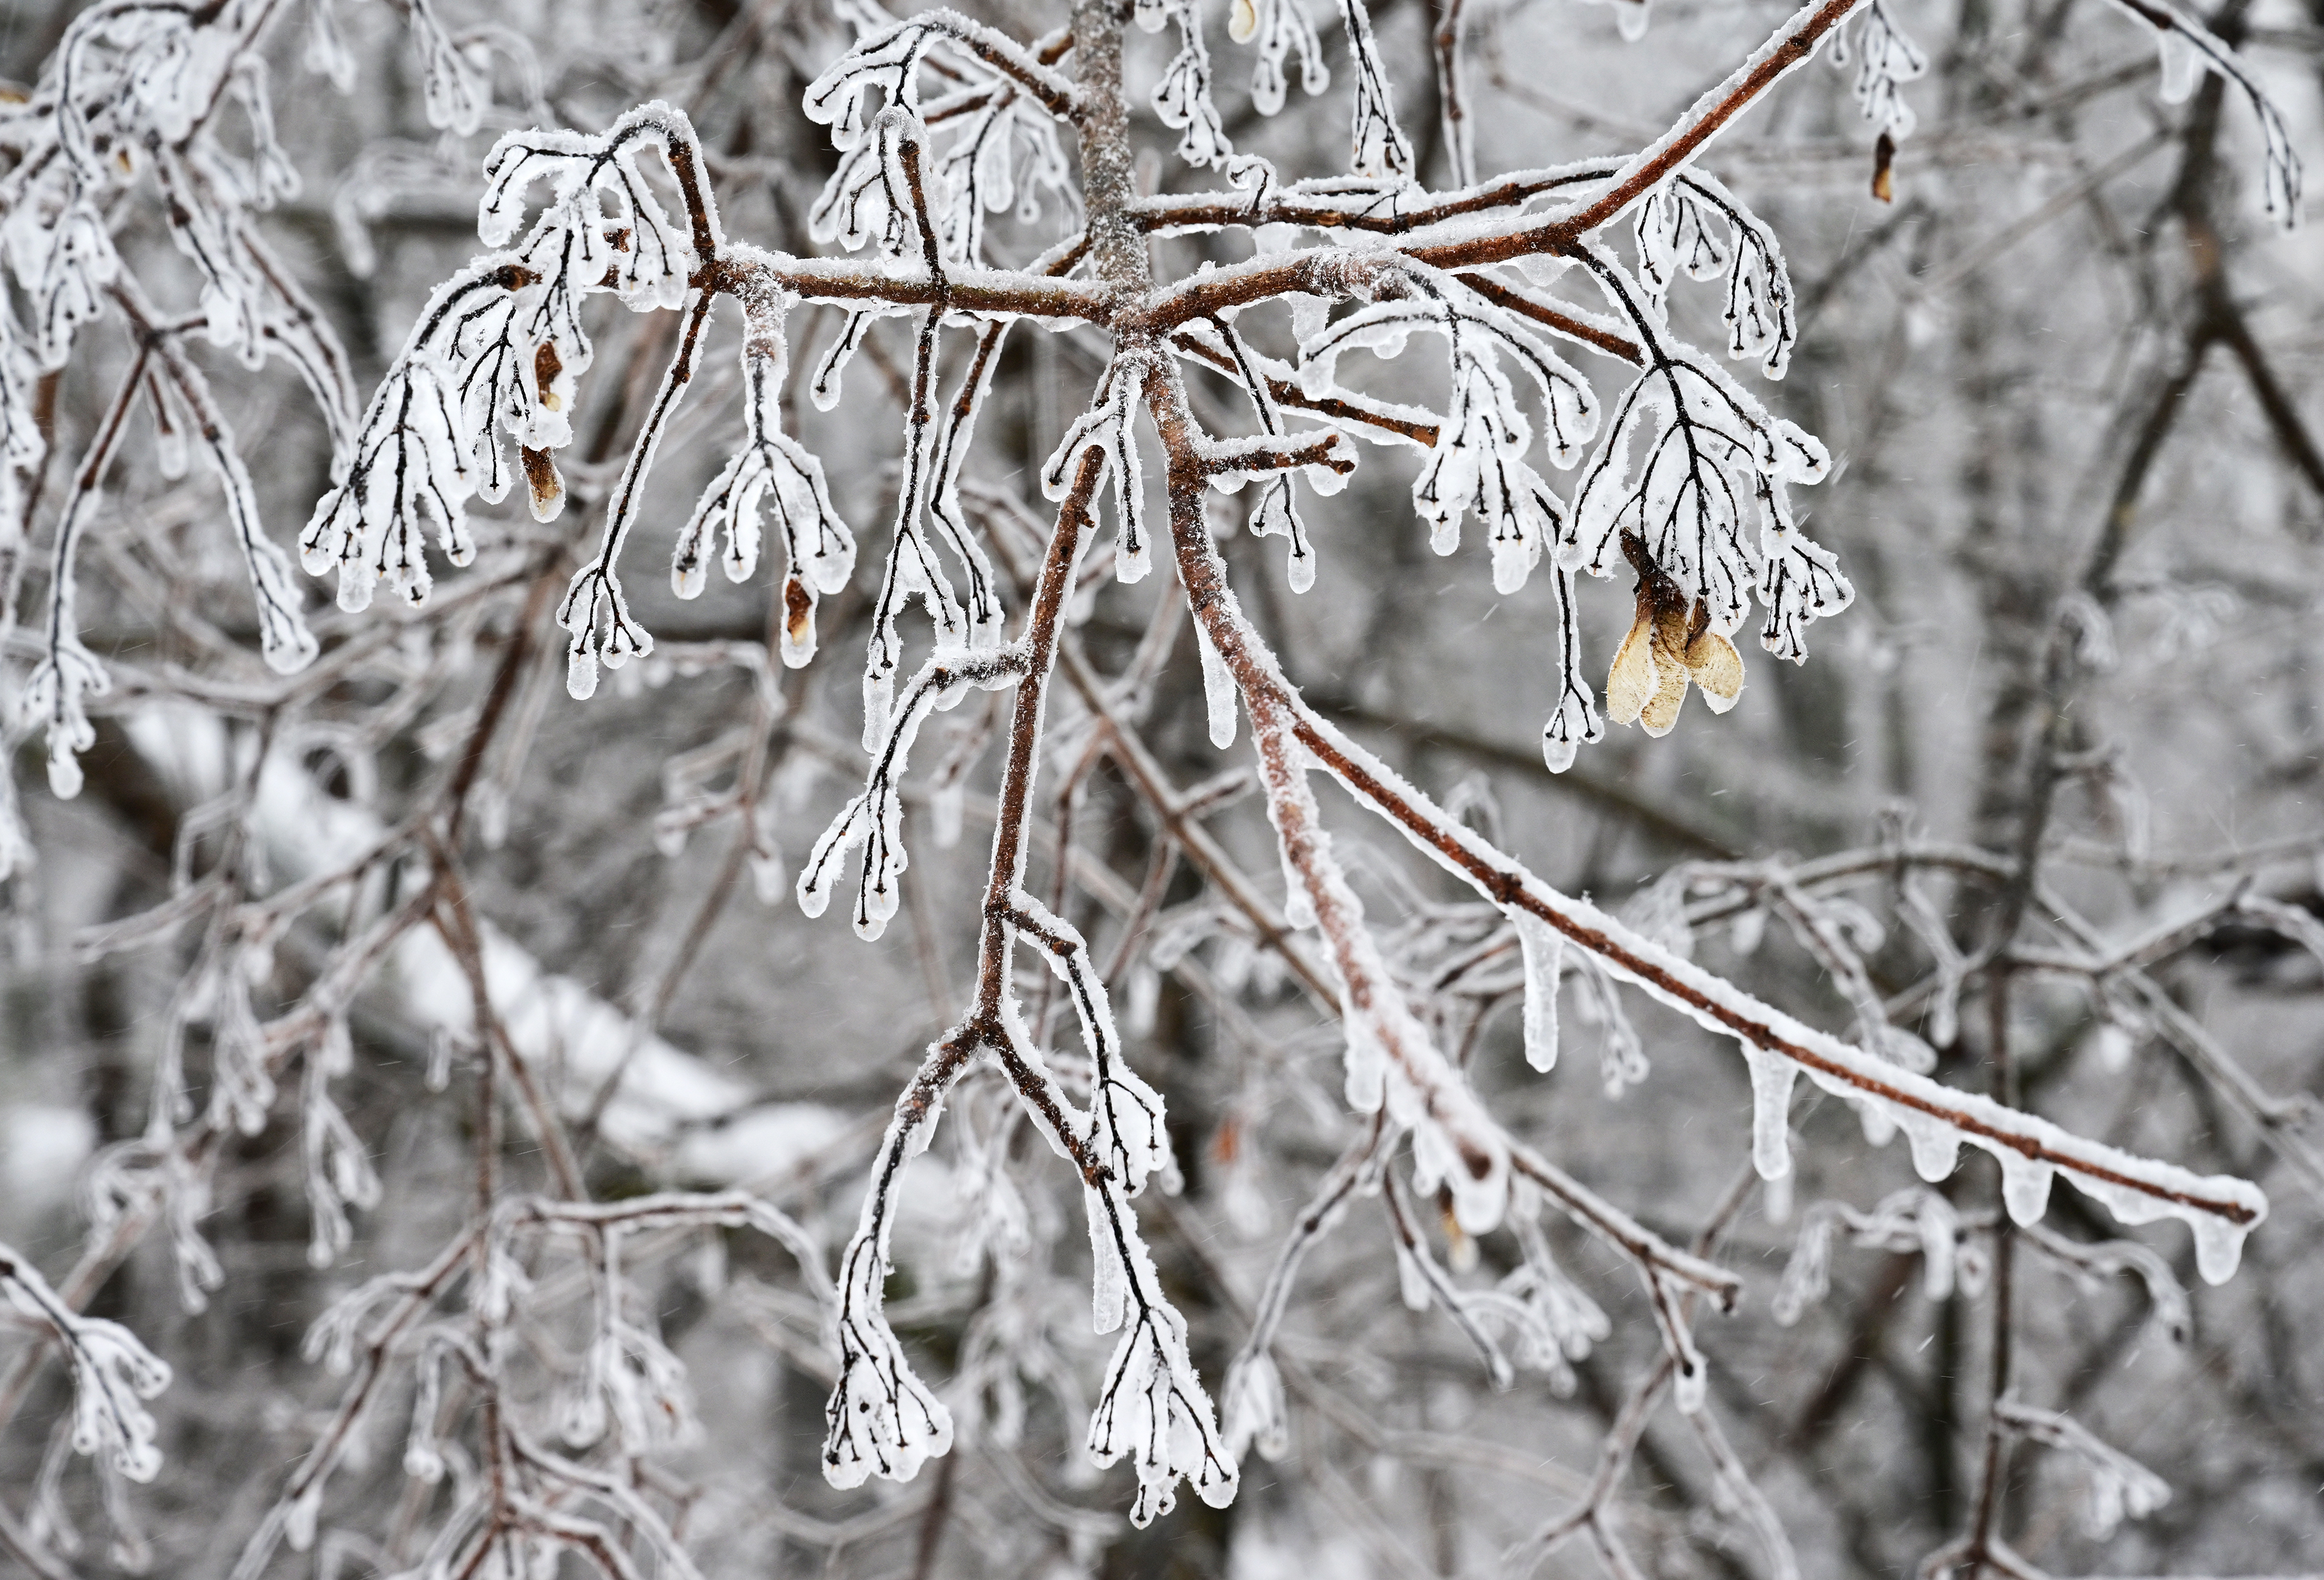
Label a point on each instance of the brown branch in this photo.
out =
(455, 921)
(1042, 631)
(1542, 314)
(1287, 394)
(1672, 827)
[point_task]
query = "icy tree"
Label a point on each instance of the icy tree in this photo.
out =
(1168, 352)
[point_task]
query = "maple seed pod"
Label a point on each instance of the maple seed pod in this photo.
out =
(1883, 159)
(548, 489)
(1715, 668)
(1670, 644)
(546, 366)
(1243, 21)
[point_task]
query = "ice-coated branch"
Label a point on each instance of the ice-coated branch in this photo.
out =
(882, 1418)
(1126, 1128)
(67, 671)
(2118, 1485)
(1102, 434)
(2188, 50)
(1182, 98)
(595, 613)
(2220, 1211)
(890, 61)
(1379, 147)
(1448, 43)
(874, 819)
(112, 1374)
(771, 470)
(1253, 1392)
(1151, 1405)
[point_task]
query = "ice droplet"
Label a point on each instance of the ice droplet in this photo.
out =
(1693, 1379)
(299, 1520)
(2219, 1247)
(2024, 1187)
(1411, 1282)
(1879, 1124)
(1936, 1147)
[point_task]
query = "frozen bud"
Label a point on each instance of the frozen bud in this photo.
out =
(799, 622)
(540, 479)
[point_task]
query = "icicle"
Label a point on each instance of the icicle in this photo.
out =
(1218, 688)
(1109, 1276)
(2025, 1186)
(1771, 1111)
(1544, 956)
